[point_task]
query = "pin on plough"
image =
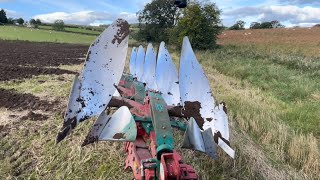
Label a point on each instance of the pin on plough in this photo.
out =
(151, 100)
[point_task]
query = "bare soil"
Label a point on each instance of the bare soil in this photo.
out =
(13, 100)
(22, 59)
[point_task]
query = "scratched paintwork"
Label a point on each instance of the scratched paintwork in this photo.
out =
(195, 88)
(149, 69)
(167, 77)
(103, 67)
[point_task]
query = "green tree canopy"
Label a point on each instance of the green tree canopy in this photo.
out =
(255, 25)
(266, 25)
(10, 21)
(38, 22)
(3, 16)
(155, 20)
(201, 23)
(58, 25)
(32, 21)
(239, 25)
(20, 21)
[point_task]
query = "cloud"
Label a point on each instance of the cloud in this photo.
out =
(11, 13)
(86, 17)
(302, 2)
(291, 14)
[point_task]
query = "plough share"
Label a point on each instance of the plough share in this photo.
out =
(149, 101)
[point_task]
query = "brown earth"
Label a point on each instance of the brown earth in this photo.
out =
(34, 117)
(22, 59)
(26, 53)
(12, 100)
(9, 72)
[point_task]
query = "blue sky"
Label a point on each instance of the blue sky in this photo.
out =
(95, 12)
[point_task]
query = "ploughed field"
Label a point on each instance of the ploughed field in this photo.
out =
(21, 60)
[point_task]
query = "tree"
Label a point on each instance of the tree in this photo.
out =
(20, 21)
(156, 19)
(3, 16)
(255, 25)
(201, 23)
(276, 24)
(58, 25)
(33, 21)
(239, 25)
(38, 22)
(10, 21)
(266, 25)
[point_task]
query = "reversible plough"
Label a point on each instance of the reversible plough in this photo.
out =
(151, 100)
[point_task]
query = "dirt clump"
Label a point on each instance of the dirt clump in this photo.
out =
(14, 100)
(34, 117)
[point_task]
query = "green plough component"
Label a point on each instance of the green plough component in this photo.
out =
(161, 123)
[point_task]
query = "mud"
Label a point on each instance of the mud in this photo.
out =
(193, 108)
(123, 32)
(119, 136)
(13, 100)
(22, 59)
(34, 117)
(8, 72)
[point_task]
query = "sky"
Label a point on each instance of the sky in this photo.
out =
(95, 12)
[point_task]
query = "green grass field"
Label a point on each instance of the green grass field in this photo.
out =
(273, 99)
(40, 35)
(73, 30)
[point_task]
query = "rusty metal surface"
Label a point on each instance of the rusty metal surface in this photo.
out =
(119, 126)
(132, 63)
(103, 67)
(167, 77)
(149, 69)
(140, 63)
(196, 94)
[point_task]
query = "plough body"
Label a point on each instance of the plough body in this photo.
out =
(151, 100)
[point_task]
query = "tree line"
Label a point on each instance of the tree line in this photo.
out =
(239, 25)
(5, 20)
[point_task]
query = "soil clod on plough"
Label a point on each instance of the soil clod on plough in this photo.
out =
(151, 100)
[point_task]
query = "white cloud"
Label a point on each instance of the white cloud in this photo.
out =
(11, 13)
(291, 14)
(86, 17)
(311, 2)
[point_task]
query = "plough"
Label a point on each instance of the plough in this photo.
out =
(150, 100)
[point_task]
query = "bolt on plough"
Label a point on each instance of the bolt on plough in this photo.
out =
(151, 100)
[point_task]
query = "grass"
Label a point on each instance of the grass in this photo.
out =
(73, 30)
(273, 99)
(278, 76)
(46, 34)
(40, 35)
